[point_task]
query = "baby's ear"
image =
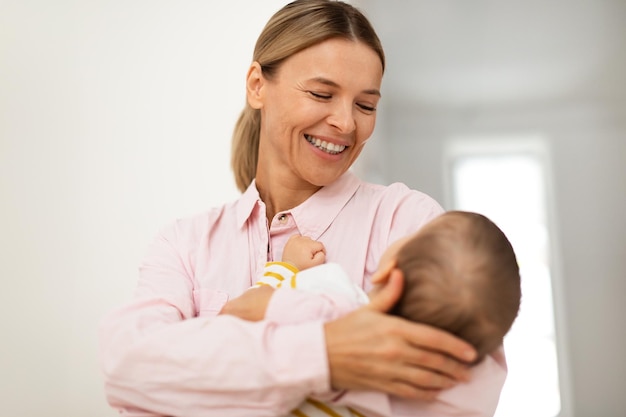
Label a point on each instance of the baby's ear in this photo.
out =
(382, 273)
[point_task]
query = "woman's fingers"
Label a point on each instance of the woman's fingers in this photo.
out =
(413, 350)
(368, 349)
(440, 349)
(438, 367)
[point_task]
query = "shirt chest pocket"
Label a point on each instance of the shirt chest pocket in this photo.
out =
(208, 302)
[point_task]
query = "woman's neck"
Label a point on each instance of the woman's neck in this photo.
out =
(283, 196)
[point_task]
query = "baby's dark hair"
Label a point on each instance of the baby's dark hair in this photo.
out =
(461, 276)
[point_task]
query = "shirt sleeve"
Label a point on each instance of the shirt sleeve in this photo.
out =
(477, 398)
(159, 358)
(294, 307)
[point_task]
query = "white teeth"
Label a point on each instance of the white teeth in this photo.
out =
(330, 148)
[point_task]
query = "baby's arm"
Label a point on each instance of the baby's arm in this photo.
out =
(300, 253)
(304, 252)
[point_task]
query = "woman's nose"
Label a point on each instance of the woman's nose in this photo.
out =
(342, 117)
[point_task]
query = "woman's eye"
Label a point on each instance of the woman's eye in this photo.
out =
(320, 96)
(367, 108)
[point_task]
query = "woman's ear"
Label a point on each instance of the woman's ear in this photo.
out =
(254, 86)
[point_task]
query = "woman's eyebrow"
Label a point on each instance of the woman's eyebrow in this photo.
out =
(333, 84)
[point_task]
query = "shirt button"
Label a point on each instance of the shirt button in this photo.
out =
(282, 218)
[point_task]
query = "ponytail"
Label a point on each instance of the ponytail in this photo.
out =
(245, 147)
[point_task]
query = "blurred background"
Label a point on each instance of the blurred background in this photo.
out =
(116, 117)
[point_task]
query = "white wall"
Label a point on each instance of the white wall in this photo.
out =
(115, 118)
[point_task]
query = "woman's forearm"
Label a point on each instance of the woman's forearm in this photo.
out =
(154, 361)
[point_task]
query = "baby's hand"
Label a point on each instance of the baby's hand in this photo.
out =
(304, 252)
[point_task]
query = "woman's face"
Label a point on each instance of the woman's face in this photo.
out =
(317, 112)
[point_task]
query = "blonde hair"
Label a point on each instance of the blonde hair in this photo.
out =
(295, 27)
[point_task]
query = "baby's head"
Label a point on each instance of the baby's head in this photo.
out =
(461, 275)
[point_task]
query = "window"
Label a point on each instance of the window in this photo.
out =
(506, 180)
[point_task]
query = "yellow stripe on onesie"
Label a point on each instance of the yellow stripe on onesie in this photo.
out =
(277, 273)
(313, 408)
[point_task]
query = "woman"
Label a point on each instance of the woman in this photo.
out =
(312, 92)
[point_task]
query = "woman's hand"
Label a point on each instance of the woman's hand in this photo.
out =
(370, 350)
(251, 305)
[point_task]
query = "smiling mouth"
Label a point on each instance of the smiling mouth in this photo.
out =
(322, 145)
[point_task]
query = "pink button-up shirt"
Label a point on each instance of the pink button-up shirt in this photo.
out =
(167, 352)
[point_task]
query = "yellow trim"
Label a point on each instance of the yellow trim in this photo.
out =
(299, 413)
(274, 275)
(287, 265)
(356, 413)
(293, 281)
(323, 407)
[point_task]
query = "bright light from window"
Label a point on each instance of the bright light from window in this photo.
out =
(508, 186)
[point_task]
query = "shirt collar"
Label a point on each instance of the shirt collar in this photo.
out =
(315, 214)
(246, 203)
